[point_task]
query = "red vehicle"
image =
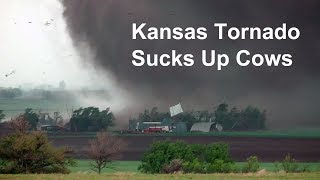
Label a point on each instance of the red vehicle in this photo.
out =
(153, 130)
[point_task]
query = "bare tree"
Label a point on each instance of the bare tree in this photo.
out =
(103, 149)
(19, 124)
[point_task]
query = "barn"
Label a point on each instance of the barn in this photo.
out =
(206, 127)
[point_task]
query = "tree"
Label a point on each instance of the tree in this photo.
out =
(19, 125)
(31, 152)
(31, 117)
(254, 118)
(222, 116)
(152, 115)
(103, 149)
(162, 155)
(91, 118)
(250, 118)
(10, 93)
(2, 116)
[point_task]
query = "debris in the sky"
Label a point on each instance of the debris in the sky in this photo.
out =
(29, 22)
(9, 74)
(47, 23)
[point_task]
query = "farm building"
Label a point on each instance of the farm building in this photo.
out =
(206, 127)
(167, 125)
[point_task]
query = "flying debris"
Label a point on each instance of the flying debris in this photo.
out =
(47, 24)
(175, 110)
(11, 73)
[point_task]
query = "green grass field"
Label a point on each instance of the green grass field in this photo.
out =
(133, 176)
(132, 166)
(128, 170)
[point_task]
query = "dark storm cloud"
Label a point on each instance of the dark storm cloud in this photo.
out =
(105, 25)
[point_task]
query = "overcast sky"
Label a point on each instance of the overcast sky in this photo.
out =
(38, 53)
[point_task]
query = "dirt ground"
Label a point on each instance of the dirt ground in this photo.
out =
(267, 149)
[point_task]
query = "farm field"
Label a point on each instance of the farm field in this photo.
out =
(281, 133)
(267, 149)
(133, 176)
(13, 107)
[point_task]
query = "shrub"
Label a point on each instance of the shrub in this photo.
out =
(187, 167)
(194, 151)
(252, 165)
(220, 166)
(162, 153)
(3, 165)
(195, 158)
(305, 168)
(195, 166)
(25, 152)
(174, 166)
(289, 164)
(218, 151)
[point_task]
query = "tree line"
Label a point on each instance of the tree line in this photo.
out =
(10, 93)
(94, 119)
(249, 118)
(83, 119)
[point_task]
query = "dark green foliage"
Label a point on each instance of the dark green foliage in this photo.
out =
(250, 118)
(91, 119)
(220, 166)
(162, 153)
(196, 158)
(253, 118)
(276, 167)
(252, 165)
(194, 166)
(222, 116)
(31, 117)
(216, 151)
(289, 164)
(32, 153)
(174, 166)
(3, 165)
(195, 151)
(2, 116)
